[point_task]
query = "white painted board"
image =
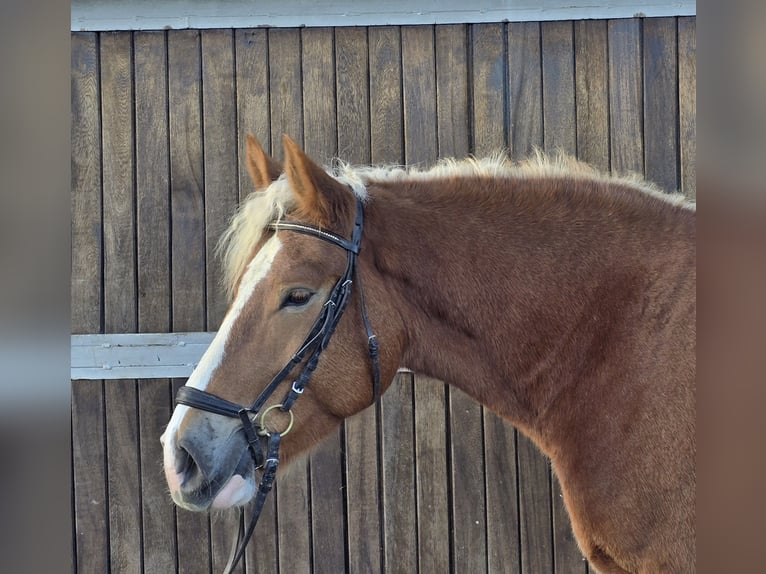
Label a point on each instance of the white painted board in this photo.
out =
(100, 15)
(137, 355)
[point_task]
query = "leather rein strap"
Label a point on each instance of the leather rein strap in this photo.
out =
(308, 355)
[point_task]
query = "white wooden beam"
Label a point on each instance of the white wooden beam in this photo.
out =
(137, 355)
(100, 15)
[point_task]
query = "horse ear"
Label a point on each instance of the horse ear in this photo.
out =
(263, 169)
(321, 198)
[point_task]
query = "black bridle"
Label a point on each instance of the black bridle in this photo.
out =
(308, 354)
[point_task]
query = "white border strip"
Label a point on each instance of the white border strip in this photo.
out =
(137, 355)
(103, 15)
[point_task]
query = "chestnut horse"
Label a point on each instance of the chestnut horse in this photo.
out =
(562, 299)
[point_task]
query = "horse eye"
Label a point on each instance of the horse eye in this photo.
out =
(297, 298)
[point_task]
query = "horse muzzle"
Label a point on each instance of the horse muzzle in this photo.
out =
(204, 470)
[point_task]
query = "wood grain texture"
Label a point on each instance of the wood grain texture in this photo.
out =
(285, 90)
(386, 123)
(418, 95)
(352, 76)
(525, 88)
(687, 106)
(452, 111)
(87, 232)
(120, 400)
(660, 55)
(91, 530)
(187, 220)
(221, 169)
(488, 81)
(626, 126)
(252, 82)
(153, 270)
(559, 119)
(592, 92)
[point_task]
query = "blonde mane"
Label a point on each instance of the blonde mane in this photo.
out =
(259, 208)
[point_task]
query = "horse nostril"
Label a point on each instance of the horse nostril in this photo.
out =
(185, 464)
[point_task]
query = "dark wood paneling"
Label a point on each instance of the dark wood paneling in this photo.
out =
(159, 121)
(120, 400)
(661, 102)
(153, 250)
(525, 86)
(219, 144)
(626, 126)
(187, 220)
(687, 95)
(592, 92)
(91, 542)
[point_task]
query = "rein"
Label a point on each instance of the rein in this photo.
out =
(253, 420)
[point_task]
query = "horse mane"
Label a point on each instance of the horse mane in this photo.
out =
(261, 207)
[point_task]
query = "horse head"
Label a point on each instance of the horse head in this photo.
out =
(281, 285)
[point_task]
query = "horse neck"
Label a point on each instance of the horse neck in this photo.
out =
(508, 290)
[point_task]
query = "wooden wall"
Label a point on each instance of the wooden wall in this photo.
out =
(427, 481)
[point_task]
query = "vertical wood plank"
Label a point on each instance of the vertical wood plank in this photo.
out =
(285, 90)
(592, 92)
(90, 538)
(292, 489)
(419, 94)
(87, 232)
(421, 147)
(488, 88)
(625, 96)
(451, 46)
(386, 129)
(525, 88)
(559, 119)
(187, 213)
(661, 102)
(252, 81)
(219, 129)
(363, 537)
(219, 115)
(153, 270)
(396, 411)
(687, 107)
(325, 462)
(467, 524)
(120, 297)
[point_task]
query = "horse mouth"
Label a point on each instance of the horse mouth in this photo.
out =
(231, 487)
